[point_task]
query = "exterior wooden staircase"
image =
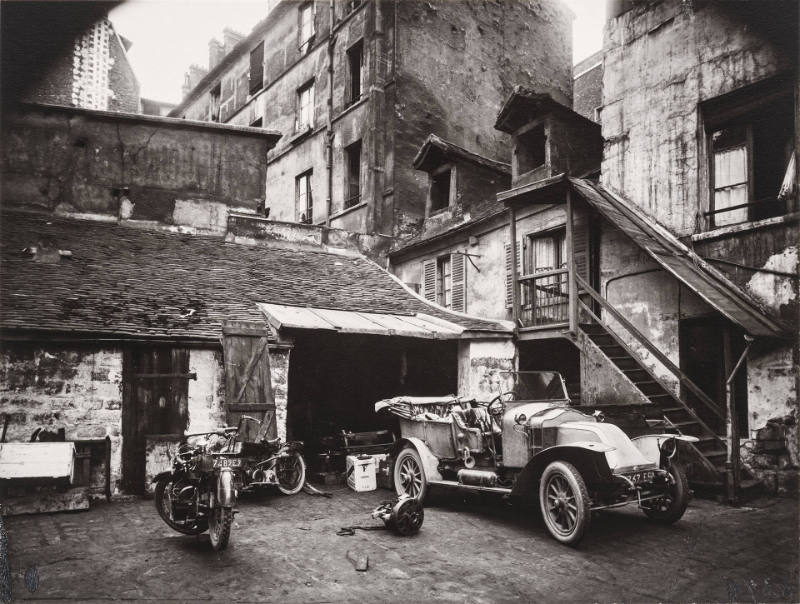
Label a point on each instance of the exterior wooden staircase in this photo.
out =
(676, 412)
(709, 454)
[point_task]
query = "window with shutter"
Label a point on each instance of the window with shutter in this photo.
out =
(510, 275)
(429, 280)
(257, 68)
(458, 275)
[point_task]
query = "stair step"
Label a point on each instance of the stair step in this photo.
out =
(665, 395)
(689, 422)
(673, 409)
(717, 453)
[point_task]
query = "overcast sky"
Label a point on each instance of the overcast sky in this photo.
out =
(169, 35)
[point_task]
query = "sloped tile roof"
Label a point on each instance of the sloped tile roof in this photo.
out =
(126, 281)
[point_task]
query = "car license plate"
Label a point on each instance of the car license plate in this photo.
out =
(640, 477)
(227, 462)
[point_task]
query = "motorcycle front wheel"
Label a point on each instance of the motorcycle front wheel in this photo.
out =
(165, 498)
(291, 472)
(219, 527)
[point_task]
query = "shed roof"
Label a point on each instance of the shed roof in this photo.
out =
(436, 151)
(681, 262)
(131, 282)
(524, 105)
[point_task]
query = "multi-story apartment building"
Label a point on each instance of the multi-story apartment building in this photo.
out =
(655, 265)
(356, 87)
(93, 73)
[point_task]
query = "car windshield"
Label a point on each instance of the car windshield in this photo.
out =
(539, 385)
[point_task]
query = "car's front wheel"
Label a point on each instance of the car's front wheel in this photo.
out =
(671, 507)
(565, 502)
(409, 476)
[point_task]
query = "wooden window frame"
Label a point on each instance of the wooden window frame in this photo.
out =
(452, 193)
(299, 125)
(351, 200)
(304, 43)
(737, 108)
(304, 214)
(352, 97)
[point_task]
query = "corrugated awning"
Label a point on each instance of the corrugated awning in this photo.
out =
(412, 326)
(681, 262)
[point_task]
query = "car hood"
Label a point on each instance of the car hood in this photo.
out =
(622, 458)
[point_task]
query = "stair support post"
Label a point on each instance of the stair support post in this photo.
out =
(571, 283)
(732, 425)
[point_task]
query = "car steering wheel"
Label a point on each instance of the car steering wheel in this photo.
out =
(496, 406)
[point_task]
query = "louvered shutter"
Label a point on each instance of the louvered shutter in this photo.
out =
(580, 241)
(510, 275)
(429, 280)
(458, 274)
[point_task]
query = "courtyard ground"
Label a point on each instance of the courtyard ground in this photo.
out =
(285, 549)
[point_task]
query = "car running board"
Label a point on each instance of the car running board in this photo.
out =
(456, 484)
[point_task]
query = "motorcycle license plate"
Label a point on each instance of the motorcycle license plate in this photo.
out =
(640, 477)
(227, 462)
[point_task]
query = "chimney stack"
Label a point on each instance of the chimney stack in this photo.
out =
(231, 38)
(215, 53)
(192, 78)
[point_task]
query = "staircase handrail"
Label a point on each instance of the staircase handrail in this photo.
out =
(682, 377)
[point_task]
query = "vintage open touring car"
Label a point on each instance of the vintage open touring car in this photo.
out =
(531, 444)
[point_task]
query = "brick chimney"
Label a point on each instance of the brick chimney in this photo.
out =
(215, 53)
(192, 77)
(231, 38)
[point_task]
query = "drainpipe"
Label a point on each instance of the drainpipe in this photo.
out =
(732, 431)
(329, 132)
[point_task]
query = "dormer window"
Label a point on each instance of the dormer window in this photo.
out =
(442, 189)
(530, 149)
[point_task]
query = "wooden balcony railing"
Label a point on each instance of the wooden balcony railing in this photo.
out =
(544, 298)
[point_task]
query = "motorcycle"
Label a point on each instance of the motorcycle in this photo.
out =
(273, 463)
(199, 493)
(209, 470)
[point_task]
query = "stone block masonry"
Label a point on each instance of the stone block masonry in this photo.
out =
(76, 387)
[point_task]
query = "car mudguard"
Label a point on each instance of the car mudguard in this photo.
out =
(589, 458)
(650, 444)
(226, 494)
(430, 463)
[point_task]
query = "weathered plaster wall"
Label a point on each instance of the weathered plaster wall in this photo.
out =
(645, 295)
(77, 161)
(771, 246)
(75, 387)
(457, 64)
(661, 60)
(484, 269)
(602, 382)
(483, 367)
(207, 392)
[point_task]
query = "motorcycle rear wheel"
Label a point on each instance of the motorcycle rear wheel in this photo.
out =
(163, 502)
(219, 527)
(291, 473)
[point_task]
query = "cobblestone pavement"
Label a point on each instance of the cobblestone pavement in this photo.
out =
(285, 549)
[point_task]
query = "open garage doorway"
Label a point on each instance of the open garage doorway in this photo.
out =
(553, 354)
(336, 379)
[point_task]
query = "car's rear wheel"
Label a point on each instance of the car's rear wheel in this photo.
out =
(671, 507)
(409, 476)
(565, 502)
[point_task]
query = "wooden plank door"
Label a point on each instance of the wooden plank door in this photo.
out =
(152, 404)
(248, 379)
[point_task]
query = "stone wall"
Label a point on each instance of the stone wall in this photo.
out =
(138, 167)
(457, 64)
(78, 387)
